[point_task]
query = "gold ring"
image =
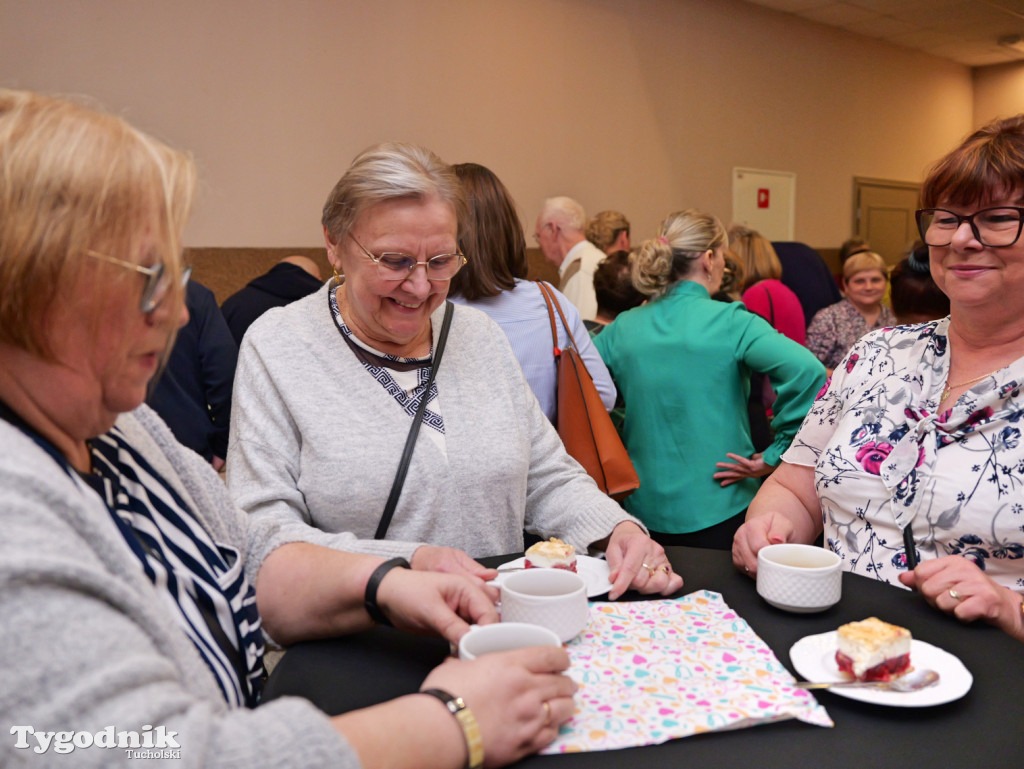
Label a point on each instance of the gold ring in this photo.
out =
(649, 568)
(547, 713)
(665, 568)
(954, 595)
(746, 570)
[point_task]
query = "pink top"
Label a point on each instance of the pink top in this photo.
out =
(778, 305)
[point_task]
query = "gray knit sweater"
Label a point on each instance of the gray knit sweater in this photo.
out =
(85, 642)
(315, 442)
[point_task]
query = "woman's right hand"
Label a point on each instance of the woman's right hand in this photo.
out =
(755, 533)
(506, 693)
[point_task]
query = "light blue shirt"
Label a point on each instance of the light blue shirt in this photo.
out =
(523, 316)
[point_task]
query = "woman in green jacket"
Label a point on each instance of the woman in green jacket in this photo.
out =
(682, 363)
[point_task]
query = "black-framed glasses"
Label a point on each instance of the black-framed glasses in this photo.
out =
(992, 227)
(157, 281)
(393, 265)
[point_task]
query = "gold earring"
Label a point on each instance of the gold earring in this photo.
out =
(337, 277)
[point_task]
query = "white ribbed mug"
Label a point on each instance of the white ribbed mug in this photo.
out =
(799, 578)
(552, 598)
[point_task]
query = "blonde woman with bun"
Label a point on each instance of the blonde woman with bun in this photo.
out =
(683, 363)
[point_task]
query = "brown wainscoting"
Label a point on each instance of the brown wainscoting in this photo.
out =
(225, 270)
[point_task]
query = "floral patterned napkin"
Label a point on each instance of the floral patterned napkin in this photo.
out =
(653, 671)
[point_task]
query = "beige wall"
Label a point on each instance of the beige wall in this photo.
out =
(639, 105)
(998, 92)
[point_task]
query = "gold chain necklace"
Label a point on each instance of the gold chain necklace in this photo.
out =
(949, 388)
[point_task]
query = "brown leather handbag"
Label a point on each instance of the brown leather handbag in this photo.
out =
(582, 420)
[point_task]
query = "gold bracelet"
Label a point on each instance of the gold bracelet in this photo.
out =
(470, 729)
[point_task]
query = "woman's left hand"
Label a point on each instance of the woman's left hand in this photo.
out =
(429, 603)
(957, 586)
(741, 467)
(638, 562)
(453, 561)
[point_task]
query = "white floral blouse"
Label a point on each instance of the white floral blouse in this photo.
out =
(884, 458)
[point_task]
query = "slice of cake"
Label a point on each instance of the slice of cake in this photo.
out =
(872, 650)
(553, 554)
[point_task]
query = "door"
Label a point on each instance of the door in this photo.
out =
(884, 215)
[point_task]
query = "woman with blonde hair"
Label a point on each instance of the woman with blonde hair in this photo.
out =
(835, 329)
(764, 292)
(133, 592)
(683, 363)
(609, 231)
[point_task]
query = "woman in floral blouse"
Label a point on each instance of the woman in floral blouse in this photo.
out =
(835, 329)
(917, 435)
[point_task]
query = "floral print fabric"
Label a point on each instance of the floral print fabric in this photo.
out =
(885, 459)
(835, 329)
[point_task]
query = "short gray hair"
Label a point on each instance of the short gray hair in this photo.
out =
(565, 212)
(390, 171)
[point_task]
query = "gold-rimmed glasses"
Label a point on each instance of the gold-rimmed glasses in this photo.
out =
(393, 265)
(157, 281)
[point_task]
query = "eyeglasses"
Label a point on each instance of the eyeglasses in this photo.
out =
(392, 265)
(157, 281)
(992, 227)
(552, 225)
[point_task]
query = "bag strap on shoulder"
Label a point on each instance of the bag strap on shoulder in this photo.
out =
(553, 304)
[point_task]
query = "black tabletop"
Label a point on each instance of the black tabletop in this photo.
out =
(981, 729)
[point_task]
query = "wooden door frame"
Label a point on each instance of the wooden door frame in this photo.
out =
(859, 181)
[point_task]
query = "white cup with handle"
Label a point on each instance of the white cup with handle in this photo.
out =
(503, 637)
(552, 598)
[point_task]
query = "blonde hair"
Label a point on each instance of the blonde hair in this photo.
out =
(605, 227)
(390, 171)
(682, 239)
(74, 179)
(863, 262)
(755, 251)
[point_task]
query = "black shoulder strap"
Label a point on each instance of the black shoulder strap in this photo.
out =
(410, 442)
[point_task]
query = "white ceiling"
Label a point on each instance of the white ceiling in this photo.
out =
(966, 31)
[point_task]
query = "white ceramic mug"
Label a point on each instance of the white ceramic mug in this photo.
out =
(799, 578)
(503, 637)
(552, 598)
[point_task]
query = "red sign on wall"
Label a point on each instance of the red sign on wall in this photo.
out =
(763, 197)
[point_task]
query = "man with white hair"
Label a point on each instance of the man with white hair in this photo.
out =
(561, 235)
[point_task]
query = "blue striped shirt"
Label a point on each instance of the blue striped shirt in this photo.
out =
(523, 316)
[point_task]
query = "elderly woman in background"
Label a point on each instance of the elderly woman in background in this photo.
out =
(609, 231)
(834, 330)
(683, 363)
(913, 451)
(128, 581)
(763, 291)
(494, 280)
(328, 385)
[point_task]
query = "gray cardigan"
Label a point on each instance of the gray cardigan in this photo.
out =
(85, 642)
(315, 442)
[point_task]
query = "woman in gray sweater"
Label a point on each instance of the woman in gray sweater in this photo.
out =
(135, 598)
(327, 388)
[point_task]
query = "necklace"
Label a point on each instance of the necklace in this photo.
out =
(949, 388)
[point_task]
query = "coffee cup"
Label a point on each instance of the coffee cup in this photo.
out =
(503, 637)
(552, 598)
(799, 578)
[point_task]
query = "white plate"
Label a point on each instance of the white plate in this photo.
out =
(814, 658)
(594, 571)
